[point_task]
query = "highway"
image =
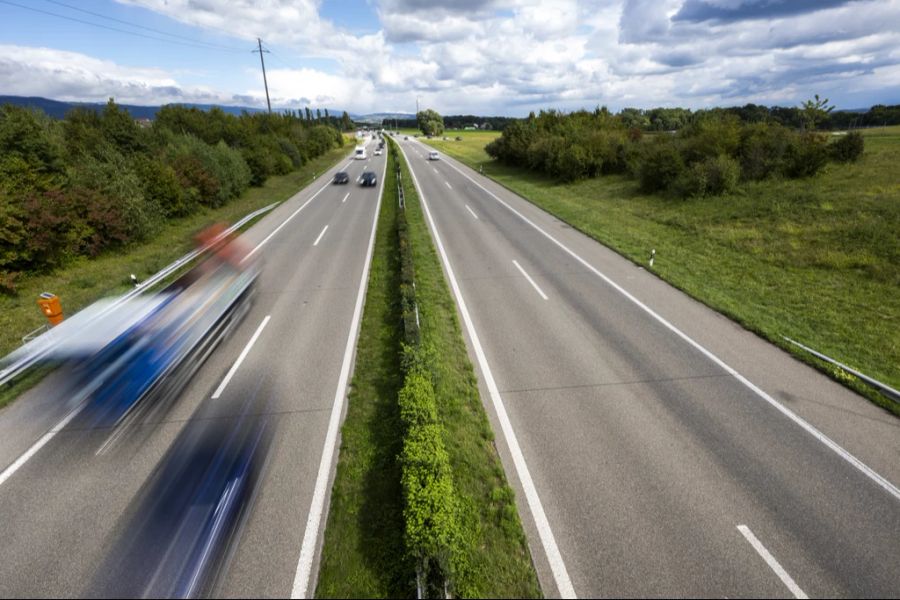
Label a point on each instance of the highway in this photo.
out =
(656, 448)
(66, 491)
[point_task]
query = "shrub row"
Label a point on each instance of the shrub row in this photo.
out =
(431, 506)
(94, 181)
(707, 157)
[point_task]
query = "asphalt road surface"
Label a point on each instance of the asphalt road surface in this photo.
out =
(657, 448)
(63, 507)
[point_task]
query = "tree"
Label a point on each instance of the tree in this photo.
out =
(318, 115)
(430, 122)
(346, 123)
(814, 112)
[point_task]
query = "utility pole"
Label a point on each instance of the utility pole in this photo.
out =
(263, 63)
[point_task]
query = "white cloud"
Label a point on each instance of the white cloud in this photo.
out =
(511, 56)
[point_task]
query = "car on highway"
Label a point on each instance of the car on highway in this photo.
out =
(433, 155)
(341, 177)
(405, 137)
(360, 153)
(368, 179)
(378, 151)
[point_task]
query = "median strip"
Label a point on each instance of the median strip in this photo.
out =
(416, 446)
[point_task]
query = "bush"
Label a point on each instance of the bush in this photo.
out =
(660, 166)
(711, 177)
(572, 163)
(711, 136)
(763, 149)
(848, 148)
(162, 185)
(806, 155)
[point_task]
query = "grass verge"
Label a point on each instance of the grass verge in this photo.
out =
(816, 260)
(497, 556)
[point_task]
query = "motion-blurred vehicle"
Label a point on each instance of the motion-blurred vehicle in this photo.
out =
(368, 179)
(129, 356)
(360, 153)
(378, 151)
(176, 539)
(341, 177)
(433, 155)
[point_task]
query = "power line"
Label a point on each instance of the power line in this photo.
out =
(134, 33)
(130, 24)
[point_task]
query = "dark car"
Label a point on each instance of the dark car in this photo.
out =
(341, 177)
(368, 179)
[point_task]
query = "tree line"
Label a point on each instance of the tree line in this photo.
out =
(454, 122)
(99, 180)
(710, 155)
(673, 119)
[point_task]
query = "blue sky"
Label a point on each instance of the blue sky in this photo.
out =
(480, 56)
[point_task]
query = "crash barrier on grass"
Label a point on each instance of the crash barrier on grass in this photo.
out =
(884, 388)
(432, 531)
(41, 344)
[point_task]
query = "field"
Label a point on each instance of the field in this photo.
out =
(816, 260)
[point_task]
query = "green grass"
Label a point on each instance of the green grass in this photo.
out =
(498, 552)
(85, 280)
(363, 552)
(816, 260)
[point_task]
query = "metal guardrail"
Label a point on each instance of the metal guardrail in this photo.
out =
(400, 198)
(23, 364)
(882, 387)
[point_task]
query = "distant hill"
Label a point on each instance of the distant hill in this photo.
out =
(58, 109)
(379, 117)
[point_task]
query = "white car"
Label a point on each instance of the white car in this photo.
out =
(433, 155)
(378, 152)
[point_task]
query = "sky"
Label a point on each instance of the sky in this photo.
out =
(484, 57)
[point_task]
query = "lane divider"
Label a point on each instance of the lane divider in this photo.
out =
(318, 239)
(773, 564)
(240, 358)
(471, 211)
(530, 280)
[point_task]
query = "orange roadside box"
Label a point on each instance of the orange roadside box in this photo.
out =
(51, 307)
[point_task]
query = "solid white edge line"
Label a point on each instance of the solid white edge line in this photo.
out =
(240, 358)
(783, 575)
(824, 439)
(471, 211)
(551, 550)
(318, 239)
(530, 280)
(311, 533)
